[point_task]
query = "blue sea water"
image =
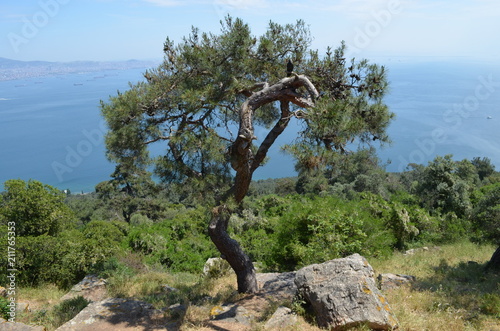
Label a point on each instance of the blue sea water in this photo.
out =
(51, 129)
(443, 108)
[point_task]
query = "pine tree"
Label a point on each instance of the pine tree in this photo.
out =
(204, 101)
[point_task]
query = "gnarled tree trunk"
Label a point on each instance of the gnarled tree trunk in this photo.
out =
(244, 162)
(494, 263)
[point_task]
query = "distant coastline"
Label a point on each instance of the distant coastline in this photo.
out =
(13, 69)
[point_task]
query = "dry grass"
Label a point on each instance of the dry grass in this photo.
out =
(452, 293)
(450, 290)
(39, 297)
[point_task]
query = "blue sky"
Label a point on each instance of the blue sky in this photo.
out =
(69, 30)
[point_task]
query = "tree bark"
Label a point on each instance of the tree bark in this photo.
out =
(245, 163)
(231, 250)
(494, 263)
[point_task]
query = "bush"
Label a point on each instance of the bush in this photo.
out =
(4, 308)
(486, 214)
(314, 230)
(68, 309)
(491, 304)
(180, 243)
(66, 258)
(313, 233)
(61, 313)
(34, 208)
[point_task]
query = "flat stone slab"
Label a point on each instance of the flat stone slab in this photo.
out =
(16, 326)
(91, 288)
(119, 314)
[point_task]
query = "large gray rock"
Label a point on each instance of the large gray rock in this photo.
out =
(343, 293)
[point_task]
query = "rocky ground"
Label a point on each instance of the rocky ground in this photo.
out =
(263, 308)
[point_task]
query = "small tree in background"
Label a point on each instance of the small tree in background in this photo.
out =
(34, 208)
(211, 91)
(486, 218)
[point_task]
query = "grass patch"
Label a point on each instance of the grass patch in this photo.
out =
(53, 317)
(453, 291)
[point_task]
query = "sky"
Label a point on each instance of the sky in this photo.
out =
(107, 30)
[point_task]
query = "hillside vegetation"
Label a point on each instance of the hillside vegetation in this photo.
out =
(159, 236)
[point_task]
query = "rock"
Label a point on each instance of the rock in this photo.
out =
(117, 314)
(176, 311)
(422, 249)
(16, 326)
(279, 286)
(216, 267)
(343, 294)
(168, 289)
(231, 313)
(22, 307)
(410, 251)
(3, 292)
(91, 288)
(282, 318)
(391, 281)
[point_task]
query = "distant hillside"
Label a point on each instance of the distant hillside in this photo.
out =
(13, 69)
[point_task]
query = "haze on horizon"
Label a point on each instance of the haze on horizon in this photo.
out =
(104, 30)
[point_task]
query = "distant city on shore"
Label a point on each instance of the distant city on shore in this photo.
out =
(13, 69)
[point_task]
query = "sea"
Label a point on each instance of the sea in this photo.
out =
(51, 128)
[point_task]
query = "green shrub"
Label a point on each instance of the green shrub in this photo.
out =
(61, 313)
(180, 243)
(66, 258)
(4, 308)
(34, 208)
(491, 304)
(139, 219)
(218, 269)
(68, 309)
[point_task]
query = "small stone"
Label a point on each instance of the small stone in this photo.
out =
(23, 307)
(216, 267)
(391, 281)
(231, 313)
(168, 289)
(282, 317)
(410, 252)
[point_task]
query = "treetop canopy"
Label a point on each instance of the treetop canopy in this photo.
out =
(193, 101)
